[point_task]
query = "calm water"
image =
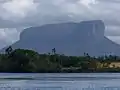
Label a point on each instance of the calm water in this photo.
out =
(106, 81)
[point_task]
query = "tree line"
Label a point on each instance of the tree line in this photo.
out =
(23, 60)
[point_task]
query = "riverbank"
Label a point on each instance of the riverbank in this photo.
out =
(28, 61)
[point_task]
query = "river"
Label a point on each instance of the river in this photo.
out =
(57, 81)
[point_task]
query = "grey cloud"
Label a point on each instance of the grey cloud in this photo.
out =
(113, 31)
(115, 39)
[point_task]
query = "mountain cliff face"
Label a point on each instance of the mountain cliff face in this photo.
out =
(68, 39)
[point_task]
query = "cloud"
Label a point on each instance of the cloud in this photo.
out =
(114, 39)
(8, 36)
(112, 31)
(87, 2)
(17, 9)
(24, 13)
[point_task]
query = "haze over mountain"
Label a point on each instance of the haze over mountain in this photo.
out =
(68, 38)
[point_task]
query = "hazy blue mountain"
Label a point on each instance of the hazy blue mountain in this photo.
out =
(68, 38)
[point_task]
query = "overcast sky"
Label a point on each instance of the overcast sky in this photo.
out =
(18, 14)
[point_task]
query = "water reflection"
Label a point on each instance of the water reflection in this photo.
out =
(59, 82)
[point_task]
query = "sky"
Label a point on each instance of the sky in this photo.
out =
(16, 15)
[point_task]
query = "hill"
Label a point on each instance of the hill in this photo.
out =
(68, 38)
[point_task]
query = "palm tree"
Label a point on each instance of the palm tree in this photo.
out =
(8, 50)
(54, 51)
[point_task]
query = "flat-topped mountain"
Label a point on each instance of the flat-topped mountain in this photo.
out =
(68, 38)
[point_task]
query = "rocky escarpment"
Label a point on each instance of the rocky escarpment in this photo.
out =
(68, 38)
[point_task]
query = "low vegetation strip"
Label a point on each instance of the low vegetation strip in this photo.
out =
(28, 61)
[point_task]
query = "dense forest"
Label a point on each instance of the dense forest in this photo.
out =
(21, 60)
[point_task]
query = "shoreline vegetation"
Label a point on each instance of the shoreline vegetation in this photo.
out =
(28, 61)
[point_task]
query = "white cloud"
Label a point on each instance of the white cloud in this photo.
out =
(8, 34)
(87, 2)
(17, 9)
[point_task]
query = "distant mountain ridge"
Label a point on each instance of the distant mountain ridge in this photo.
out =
(68, 38)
